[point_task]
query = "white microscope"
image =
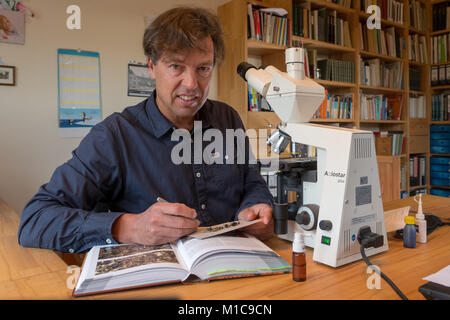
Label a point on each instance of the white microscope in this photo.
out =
(346, 195)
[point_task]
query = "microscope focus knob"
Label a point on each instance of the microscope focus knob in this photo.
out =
(325, 225)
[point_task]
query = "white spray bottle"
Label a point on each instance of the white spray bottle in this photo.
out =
(420, 221)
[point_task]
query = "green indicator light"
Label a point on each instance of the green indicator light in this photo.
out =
(326, 240)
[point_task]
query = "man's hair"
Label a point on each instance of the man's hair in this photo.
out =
(181, 28)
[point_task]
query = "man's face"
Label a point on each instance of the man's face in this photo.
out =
(182, 81)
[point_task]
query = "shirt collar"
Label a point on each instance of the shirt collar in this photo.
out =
(161, 125)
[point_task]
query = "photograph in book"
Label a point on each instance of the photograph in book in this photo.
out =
(135, 260)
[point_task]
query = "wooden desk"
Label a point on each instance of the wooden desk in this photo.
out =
(35, 273)
(27, 273)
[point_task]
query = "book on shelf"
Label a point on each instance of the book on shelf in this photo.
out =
(381, 41)
(118, 267)
(380, 107)
(417, 108)
(336, 70)
(440, 106)
(417, 15)
(390, 9)
(335, 106)
(440, 46)
(256, 102)
(404, 194)
(397, 142)
(403, 177)
(321, 24)
(415, 78)
(417, 171)
(441, 16)
(440, 74)
(378, 73)
(417, 48)
(269, 25)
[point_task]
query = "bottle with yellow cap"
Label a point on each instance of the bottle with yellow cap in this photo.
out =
(409, 233)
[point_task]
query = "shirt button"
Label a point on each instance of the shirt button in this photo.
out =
(108, 241)
(203, 206)
(71, 250)
(198, 174)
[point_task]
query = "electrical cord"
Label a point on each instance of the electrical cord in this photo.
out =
(368, 239)
(385, 277)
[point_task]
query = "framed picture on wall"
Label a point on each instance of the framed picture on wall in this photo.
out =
(139, 82)
(12, 27)
(7, 76)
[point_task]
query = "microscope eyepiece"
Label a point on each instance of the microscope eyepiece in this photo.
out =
(243, 67)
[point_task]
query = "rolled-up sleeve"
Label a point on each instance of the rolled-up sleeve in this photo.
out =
(62, 215)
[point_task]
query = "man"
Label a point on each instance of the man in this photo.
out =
(107, 192)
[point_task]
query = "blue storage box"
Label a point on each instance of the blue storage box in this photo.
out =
(440, 143)
(439, 168)
(435, 149)
(440, 160)
(440, 182)
(440, 128)
(440, 175)
(440, 192)
(440, 135)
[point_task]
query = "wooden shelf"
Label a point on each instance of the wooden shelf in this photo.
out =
(384, 121)
(442, 87)
(331, 5)
(440, 122)
(417, 93)
(321, 46)
(381, 89)
(338, 84)
(440, 187)
(417, 63)
(439, 154)
(440, 63)
(333, 120)
(384, 22)
(412, 29)
(436, 33)
(369, 54)
(257, 47)
(418, 187)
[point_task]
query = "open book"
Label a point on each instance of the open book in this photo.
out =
(126, 266)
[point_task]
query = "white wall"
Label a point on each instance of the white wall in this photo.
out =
(30, 148)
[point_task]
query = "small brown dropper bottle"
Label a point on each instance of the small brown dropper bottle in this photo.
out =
(298, 258)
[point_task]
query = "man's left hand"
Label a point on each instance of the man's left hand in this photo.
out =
(262, 230)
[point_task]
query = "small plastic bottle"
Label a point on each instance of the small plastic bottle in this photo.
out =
(409, 233)
(298, 258)
(421, 222)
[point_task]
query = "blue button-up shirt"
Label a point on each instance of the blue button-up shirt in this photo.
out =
(123, 165)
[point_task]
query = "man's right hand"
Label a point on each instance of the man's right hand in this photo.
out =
(160, 223)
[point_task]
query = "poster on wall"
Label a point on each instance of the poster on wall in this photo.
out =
(12, 27)
(139, 82)
(79, 93)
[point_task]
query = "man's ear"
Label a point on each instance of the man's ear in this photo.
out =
(151, 68)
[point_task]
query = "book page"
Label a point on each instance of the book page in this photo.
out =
(192, 248)
(106, 261)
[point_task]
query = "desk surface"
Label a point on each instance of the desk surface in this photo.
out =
(40, 274)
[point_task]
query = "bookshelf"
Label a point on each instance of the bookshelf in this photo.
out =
(414, 126)
(438, 30)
